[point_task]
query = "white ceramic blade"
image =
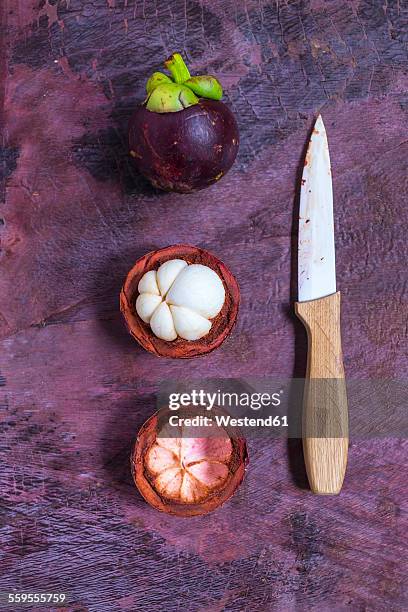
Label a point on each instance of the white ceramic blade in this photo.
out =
(316, 257)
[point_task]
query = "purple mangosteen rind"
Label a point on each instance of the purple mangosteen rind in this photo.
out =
(185, 151)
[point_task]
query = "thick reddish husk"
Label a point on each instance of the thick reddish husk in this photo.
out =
(186, 150)
(147, 437)
(222, 324)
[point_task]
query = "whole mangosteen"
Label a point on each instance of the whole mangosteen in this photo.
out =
(183, 138)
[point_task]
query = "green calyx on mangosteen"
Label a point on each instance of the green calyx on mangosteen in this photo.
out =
(172, 94)
(183, 138)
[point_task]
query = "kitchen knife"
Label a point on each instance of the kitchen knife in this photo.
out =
(325, 415)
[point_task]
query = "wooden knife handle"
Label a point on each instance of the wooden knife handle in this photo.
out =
(325, 413)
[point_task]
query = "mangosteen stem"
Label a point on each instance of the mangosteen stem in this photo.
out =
(176, 65)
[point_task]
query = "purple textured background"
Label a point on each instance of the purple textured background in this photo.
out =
(75, 387)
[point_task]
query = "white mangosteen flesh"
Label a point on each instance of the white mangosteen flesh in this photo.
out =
(148, 283)
(167, 274)
(146, 304)
(179, 300)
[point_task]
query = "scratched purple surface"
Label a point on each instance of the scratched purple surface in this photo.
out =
(75, 216)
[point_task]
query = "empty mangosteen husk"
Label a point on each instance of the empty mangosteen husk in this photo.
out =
(222, 324)
(215, 497)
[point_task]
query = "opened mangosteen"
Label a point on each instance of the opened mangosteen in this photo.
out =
(180, 301)
(187, 470)
(183, 138)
